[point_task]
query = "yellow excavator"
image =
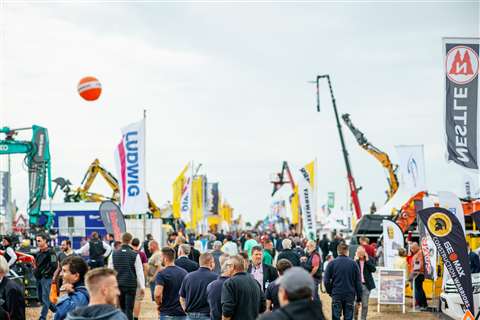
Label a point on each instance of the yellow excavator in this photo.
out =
(378, 154)
(83, 194)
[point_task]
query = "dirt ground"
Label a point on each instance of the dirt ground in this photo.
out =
(149, 311)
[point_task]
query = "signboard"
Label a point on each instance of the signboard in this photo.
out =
(391, 287)
(3, 192)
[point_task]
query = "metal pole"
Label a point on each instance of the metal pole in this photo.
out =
(351, 180)
(145, 169)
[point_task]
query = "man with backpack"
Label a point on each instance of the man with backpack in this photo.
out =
(46, 263)
(97, 251)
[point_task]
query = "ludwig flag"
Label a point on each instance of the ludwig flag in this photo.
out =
(306, 192)
(186, 198)
(130, 159)
(461, 100)
(447, 235)
(113, 219)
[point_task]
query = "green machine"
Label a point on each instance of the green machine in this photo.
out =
(37, 160)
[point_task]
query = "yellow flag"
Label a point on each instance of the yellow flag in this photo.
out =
(177, 192)
(311, 173)
(197, 201)
(295, 206)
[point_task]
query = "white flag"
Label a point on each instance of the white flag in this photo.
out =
(186, 200)
(392, 241)
(130, 160)
(306, 192)
(412, 168)
(450, 201)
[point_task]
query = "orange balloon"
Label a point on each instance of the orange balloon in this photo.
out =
(89, 88)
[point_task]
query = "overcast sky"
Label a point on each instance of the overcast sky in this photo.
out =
(226, 85)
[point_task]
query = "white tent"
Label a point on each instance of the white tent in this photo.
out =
(396, 202)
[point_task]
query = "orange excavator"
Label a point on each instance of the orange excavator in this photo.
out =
(407, 214)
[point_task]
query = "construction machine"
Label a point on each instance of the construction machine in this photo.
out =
(381, 156)
(37, 161)
(83, 193)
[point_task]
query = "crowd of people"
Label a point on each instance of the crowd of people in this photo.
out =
(213, 276)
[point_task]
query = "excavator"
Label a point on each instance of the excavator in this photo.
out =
(83, 194)
(37, 161)
(381, 156)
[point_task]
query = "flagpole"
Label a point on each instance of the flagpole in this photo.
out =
(145, 169)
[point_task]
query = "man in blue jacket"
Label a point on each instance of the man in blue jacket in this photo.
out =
(73, 292)
(343, 283)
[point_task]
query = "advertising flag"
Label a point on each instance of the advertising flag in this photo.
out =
(113, 219)
(392, 241)
(449, 238)
(450, 201)
(412, 168)
(429, 251)
(197, 201)
(177, 186)
(130, 160)
(461, 65)
(295, 205)
(331, 200)
(212, 198)
(307, 196)
(186, 197)
(3, 192)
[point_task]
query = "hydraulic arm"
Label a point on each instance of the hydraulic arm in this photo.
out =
(37, 160)
(381, 156)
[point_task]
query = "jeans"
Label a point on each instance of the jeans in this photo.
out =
(152, 290)
(127, 301)
(340, 306)
(420, 297)
(162, 317)
(96, 263)
(365, 297)
(197, 316)
(43, 290)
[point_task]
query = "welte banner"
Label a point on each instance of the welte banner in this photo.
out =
(461, 100)
(307, 196)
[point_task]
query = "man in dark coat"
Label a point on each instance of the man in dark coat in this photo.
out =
(183, 261)
(11, 293)
(262, 272)
(295, 296)
(288, 253)
(242, 297)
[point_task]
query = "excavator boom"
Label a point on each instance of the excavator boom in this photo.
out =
(381, 156)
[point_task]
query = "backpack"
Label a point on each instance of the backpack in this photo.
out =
(96, 249)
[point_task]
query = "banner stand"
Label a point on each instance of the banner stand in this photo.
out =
(391, 287)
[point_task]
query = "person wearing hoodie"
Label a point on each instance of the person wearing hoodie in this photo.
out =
(103, 288)
(296, 298)
(73, 292)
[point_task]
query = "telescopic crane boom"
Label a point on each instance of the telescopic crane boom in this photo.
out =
(381, 156)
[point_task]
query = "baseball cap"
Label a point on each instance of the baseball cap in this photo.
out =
(295, 279)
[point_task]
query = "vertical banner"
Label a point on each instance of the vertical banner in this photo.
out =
(130, 160)
(3, 192)
(429, 251)
(392, 241)
(197, 202)
(295, 205)
(186, 197)
(306, 189)
(461, 100)
(331, 200)
(113, 219)
(412, 168)
(450, 201)
(177, 187)
(449, 238)
(212, 198)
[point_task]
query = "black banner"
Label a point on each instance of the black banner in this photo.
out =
(447, 235)
(461, 100)
(112, 218)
